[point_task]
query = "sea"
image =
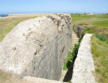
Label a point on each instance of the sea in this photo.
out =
(3, 15)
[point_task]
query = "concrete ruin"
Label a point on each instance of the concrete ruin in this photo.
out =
(37, 47)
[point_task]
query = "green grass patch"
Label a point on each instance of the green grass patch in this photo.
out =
(69, 58)
(94, 20)
(100, 55)
(72, 56)
(78, 18)
(103, 23)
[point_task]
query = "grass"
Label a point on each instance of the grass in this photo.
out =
(72, 56)
(102, 23)
(69, 58)
(94, 20)
(100, 55)
(80, 18)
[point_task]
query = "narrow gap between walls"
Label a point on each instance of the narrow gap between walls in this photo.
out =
(69, 64)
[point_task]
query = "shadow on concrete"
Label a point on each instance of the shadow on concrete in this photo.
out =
(68, 75)
(70, 65)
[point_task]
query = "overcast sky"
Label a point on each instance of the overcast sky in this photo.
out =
(46, 6)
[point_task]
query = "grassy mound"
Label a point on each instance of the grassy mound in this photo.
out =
(100, 52)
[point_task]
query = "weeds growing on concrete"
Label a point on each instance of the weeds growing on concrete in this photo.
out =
(70, 61)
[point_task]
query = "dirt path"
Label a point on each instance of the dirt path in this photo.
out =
(74, 39)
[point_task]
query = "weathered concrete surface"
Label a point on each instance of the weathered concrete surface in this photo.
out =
(84, 65)
(40, 80)
(37, 47)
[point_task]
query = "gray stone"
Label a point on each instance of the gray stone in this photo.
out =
(37, 47)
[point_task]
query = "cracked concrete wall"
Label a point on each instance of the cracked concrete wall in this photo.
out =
(37, 47)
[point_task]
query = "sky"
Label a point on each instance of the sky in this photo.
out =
(53, 6)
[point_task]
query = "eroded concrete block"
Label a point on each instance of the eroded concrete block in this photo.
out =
(37, 47)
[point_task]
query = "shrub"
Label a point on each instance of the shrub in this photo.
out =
(100, 37)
